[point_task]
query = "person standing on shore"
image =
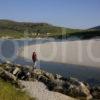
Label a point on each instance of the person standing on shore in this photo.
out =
(34, 59)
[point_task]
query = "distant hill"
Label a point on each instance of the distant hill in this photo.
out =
(9, 28)
(96, 28)
(86, 34)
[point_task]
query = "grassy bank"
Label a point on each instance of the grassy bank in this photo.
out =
(9, 92)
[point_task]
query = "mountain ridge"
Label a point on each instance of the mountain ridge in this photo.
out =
(96, 28)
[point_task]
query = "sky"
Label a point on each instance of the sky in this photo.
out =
(68, 13)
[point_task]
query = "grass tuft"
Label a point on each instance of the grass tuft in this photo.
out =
(9, 92)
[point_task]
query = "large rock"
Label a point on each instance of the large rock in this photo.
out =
(59, 86)
(49, 75)
(69, 86)
(77, 89)
(96, 92)
(8, 66)
(9, 77)
(39, 72)
(57, 76)
(6, 75)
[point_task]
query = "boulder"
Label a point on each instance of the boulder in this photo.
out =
(37, 72)
(7, 62)
(9, 77)
(77, 89)
(57, 76)
(49, 75)
(95, 91)
(16, 71)
(7, 66)
(59, 86)
(6, 75)
(73, 81)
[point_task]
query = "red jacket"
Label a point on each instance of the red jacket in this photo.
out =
(34, 57)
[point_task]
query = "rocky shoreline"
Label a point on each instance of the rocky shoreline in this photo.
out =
(15, 73)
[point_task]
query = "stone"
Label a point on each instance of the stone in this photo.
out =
(58, 76)
(96, 92)
(77, 89)
(16, 71)
(6, 75)
(59, 86)
(74, 81)
(37, 72)
(8, 62)
(49, 75)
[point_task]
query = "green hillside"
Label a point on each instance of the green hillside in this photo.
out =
(15, 29)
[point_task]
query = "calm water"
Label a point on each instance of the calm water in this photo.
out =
(9, 50)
